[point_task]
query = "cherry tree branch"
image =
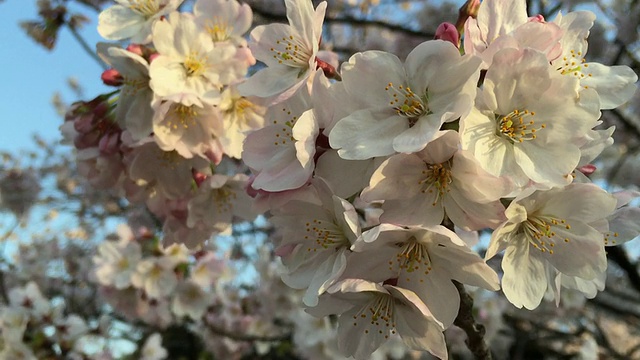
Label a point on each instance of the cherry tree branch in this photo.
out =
(85, 46)
(475, 331)
(247, 337)
(347, 20)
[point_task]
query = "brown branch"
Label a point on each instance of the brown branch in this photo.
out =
(347, 20)
(475, 331)
(247, 337)
(619, 256)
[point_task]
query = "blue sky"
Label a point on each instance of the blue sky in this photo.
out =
(31, 75)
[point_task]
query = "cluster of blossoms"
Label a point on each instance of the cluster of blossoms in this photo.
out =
(377, 176)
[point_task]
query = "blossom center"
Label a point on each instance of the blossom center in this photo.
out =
(183, 117)
(413, 257)
(325, 235)
(286, 134)
(406, 103)
(133, 85)
(575, 65)
(292, 51)
(219, 29)
(195, 64)
(379, 312)
(518, 126)
(146, 8)
(437, 178)
(223, 198)
(544, 232)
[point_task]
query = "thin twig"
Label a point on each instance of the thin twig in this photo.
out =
(247, 337)
(85, 46)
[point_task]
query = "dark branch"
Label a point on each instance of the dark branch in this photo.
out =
(619, 256)
(465, 321)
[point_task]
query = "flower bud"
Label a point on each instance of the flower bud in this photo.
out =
(136, 49)
(112, 77)
(538, 18)
(587, 169)
(447, 32)
(467, 10)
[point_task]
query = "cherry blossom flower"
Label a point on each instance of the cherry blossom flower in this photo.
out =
(163, 171)
(155, 276)
(116, 262)
(133, 19)
(133, 110)
(370, 313)
(221, 199)
(188, 126)
(152, 348)
(405, 104)
(281, 154)
(527, 120)
(189, 62)
(190, 300)
(289, 51)
(224, 20)
(423, 260)
(241, 115)
(615, 85)
(549, 230)
(315, 241)
(419, 188)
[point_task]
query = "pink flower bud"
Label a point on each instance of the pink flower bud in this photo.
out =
(328, 69)
(467, 10)
(136, 49)
(112, 77)
(109, 144)
(447, 32)
(587, 169)
(538, 18)
(198, 177)
(153, 57)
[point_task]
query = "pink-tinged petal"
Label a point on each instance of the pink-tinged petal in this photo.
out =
(577, 251)
(420, 332)
(582, 202)
(346, 177)
(445, 305)
(263, 40)
(367, 133)
(441, 148)
(325, 275)
(438, 66)
(501, 17)
(305, 131)
(500, 239)
(476, 183)
(272, 81)
(517, 77)
(623, 226)
(119, 22)
(615, 84)
(547, 163)
(495, 154)
(368, 74)
(423, 209)
(415, 138)
(400, 171)
(524, 281)
(471, 215)
(465, 266)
